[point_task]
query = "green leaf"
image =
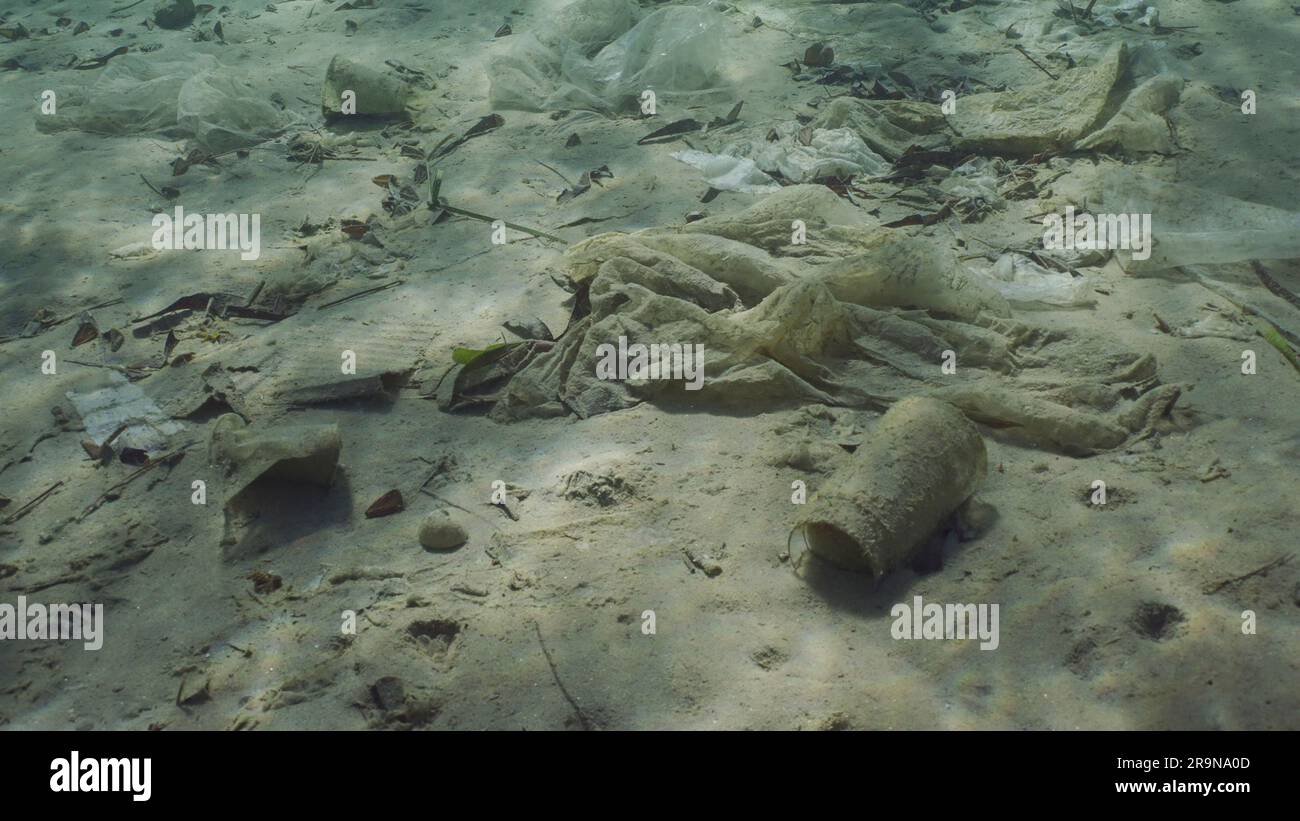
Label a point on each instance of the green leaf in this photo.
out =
(464, 356)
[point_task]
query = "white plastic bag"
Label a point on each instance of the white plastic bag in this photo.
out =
(727, 173)
(1029, 286)
(831, 152)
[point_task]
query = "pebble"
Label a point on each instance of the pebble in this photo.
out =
(439, 531)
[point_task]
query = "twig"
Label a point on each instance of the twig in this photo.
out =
(1273, 285)
(96, 307)
(567, 181)
(1088, 11)
(27, 508)
(120, 369)
(428, 492)
(1262, 570)
(360, 294)
(1021, 49)
(155, 190)
(582, 717)
(485, 218)
(170, 458)
(124, 8)
(46, 326)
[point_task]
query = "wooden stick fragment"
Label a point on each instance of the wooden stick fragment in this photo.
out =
(582, 717)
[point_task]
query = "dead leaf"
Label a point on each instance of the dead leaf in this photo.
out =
(97, 62)
(673, 129)
(386, 505)
(483, 126)
(87, 331)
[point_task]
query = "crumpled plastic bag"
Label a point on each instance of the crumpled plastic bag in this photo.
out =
(1119, 12)
(1117, 103)
(1041, 117)
(223, 114)
(133, 95)
(887, 127)
(977, 179)
(671, 51)
(830, 152)
(728, 173)
(864, 331)
(1029, 286)
(196, 97)
(1140, 125)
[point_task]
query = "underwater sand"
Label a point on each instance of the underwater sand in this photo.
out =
(478, 637)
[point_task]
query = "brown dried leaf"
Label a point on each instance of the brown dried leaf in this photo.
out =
(386, 505)
(86, 331)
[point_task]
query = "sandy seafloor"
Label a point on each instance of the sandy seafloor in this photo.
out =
(755, 647)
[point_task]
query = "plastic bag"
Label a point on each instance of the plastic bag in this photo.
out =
(727, 173)
(977, 179)
(194, 97)
(671, 51)
(1027, 285)
(587, 26)
(1187, 232)
(133, 95)
(223, 114)
(831, 152)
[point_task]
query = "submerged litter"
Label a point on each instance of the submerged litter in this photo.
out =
(595, 55)
(922, 461)
(196, 97)
(863, 321)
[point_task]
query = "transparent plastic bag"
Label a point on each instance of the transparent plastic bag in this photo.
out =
(728, 173)
(223, 114)
(1191, 226)
(671, 51)
(194, 97)
(587, 26)
(133, 95)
